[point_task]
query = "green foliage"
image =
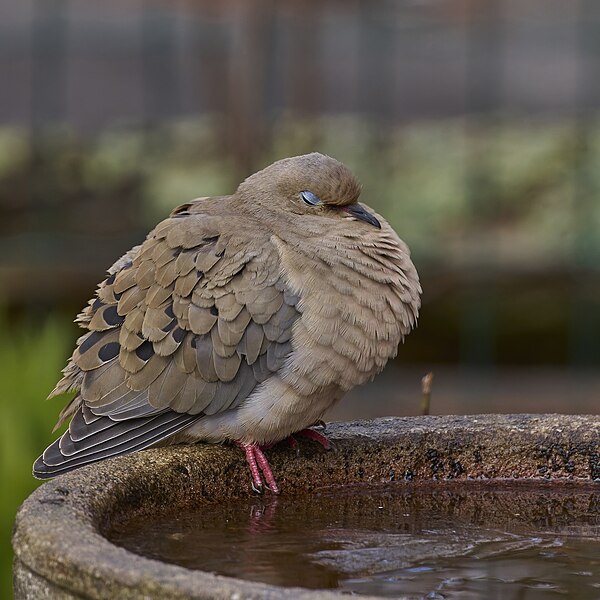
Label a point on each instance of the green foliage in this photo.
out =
(500, 190)
(30, 362)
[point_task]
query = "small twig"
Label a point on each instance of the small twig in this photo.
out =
(426, 384)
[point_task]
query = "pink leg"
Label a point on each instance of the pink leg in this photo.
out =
(263, 463)
(311, 434)
(251, 460)
(255, 459)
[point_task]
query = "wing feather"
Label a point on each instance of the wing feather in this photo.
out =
(185, 325)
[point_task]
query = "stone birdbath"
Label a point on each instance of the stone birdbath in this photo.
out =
(66, 536)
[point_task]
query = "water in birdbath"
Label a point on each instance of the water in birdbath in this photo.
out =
(431, 541)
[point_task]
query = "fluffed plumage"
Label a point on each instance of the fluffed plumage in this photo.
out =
(240, 318)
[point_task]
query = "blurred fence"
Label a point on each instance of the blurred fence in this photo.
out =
(74, 70)
(95, 64)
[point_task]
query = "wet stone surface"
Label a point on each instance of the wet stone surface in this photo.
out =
(472, 540)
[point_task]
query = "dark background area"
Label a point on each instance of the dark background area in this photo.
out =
(473, 126)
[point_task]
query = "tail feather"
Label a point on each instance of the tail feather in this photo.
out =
(116, 433)
(113, 436)
(107, 438)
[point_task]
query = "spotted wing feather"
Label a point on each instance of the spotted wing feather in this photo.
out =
(185, 325)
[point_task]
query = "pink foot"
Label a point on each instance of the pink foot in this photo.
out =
(258, 462)
(292, 442)
(311, 434)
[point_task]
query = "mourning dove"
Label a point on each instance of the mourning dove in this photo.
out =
(240, 318)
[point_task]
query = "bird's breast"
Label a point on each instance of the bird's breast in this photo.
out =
(359, 296)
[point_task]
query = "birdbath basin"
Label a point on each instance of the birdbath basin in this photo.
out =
(427, 507)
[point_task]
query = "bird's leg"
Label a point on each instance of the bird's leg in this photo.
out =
(311, 434)
(257, 462)
(263, 463)
(248, 449)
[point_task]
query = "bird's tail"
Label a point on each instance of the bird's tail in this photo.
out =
(91, 438)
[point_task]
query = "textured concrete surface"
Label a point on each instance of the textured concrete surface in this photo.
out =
(60, 551)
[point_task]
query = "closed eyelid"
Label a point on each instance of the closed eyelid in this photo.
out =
(310, 198)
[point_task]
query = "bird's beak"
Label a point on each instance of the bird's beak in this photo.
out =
(358, 212)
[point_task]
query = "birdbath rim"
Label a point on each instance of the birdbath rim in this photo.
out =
(59, 540)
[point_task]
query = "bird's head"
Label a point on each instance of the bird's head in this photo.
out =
(311, 184)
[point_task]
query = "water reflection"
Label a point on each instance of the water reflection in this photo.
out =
(426, 541)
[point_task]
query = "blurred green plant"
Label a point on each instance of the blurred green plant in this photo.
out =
(509, 187)
(31, 358)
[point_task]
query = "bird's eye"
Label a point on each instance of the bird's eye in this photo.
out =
(309, 198)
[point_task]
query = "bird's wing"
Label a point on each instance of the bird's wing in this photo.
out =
(185, 325)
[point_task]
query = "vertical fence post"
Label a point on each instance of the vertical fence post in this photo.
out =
(159, 66)
(48, 63)
(584, 331)
(247, 129)
(484, 80)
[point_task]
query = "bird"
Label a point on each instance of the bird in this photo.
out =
(240, 319)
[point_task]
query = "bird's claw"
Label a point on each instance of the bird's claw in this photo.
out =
(331, 446)
(292, 442)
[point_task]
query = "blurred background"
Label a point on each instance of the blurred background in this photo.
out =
(474, 126)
